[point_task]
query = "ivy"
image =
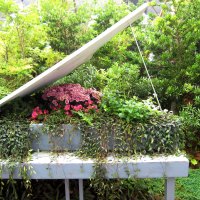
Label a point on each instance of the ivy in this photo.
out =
(14, 139)
(109, 133)
(15, 145)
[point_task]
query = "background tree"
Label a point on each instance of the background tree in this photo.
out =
(173, 38)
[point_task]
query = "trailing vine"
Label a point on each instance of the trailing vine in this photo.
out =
(15, 142)
(111, 134)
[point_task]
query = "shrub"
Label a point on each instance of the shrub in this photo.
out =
(191, 127)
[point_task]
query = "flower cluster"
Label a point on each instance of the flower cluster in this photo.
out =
(69, 97)
(38, 112)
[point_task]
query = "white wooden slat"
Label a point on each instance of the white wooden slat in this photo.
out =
(77, 58)
(68, 166)
(67, 190)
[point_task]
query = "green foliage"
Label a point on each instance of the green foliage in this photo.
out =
(122, 80)
(186, 188)
(119, 79)
(119, 48)
(19, 109)
(109, 15)
(118, 189)
(134, 110)
(7, 7)
(65, 28)
(173, 38)
(110, 133)
(85, 75)
(24, 46)
(191, 127)
(14, 140)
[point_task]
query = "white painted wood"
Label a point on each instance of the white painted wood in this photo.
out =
(170, 189)
(77, 58)
(68, 166)
(67, 190)
(80, 183)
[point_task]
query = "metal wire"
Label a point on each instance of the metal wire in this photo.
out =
(145, 66)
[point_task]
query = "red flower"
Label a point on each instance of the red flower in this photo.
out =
(46, 112)
(53, 107)
(89, 102)
(92, 107)
(36, 111)
(78, 107)
(67, 107)
(34, 115)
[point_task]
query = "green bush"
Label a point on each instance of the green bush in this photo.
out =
(66, 29)
(191, 127)
(173, 38)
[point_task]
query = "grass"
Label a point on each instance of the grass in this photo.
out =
(189, 188)
(186, 188)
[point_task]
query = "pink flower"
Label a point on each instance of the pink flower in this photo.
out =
(46, 112)
(53, 107)
(69, 93)
(34, 115)
(36, 111)
(89, 102)
(66, 101)
(78, 107)
(86, 110)
(92, 107)
(67, 107)
(55, 103)
(62, 96)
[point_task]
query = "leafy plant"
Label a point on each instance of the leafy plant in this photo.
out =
(173, 38)
(65, 27)
(14, 139)
(191, 127)
(85, 75)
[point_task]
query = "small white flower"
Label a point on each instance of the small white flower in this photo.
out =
(94, 16)
(13, 15)
(151, 57)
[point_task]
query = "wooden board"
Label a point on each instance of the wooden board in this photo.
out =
(69, 166)
(74, 60)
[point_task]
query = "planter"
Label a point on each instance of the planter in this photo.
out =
(163, 139)
(68, 138)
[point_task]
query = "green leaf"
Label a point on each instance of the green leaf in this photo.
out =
(194, 161)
